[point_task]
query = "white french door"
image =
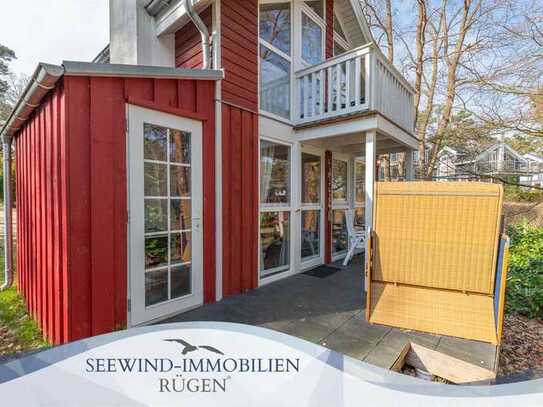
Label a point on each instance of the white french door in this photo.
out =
(311, 229)
(340, 204)
(165, 214)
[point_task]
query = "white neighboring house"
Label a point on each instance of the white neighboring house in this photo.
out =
(535, 163)
(454, 164)
(445, 168)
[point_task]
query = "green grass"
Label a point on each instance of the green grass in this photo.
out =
(23, 333)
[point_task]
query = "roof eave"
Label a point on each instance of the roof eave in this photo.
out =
(46, 76)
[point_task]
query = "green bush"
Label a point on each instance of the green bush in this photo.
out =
(525, 277)
(519, 194)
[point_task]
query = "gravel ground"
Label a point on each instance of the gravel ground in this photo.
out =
(521, 354)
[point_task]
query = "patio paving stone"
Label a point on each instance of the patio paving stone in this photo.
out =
(355, 347)
(330, 311)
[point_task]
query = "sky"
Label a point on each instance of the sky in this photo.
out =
(53, 30)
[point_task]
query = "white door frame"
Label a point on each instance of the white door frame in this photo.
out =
(138, 313)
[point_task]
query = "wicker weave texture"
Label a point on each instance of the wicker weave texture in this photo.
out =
(437, 234)
(432, 310)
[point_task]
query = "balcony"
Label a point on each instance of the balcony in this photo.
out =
(358, 81)
(508, 166)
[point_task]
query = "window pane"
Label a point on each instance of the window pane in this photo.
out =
(179, 181)
(180, 214)
(311, 178)
(316, 6)
(156, 215)
(359, 217)
(310, 233)
(275, 83)
(360, 181)
(311, 41)
(155, 141)
(179, 147)
(156, 287)
(339, 180)
(180, 280)
(156, 251)
(274, 173)
(155, 180)
(275, 25)
(180, 244)
(339, 231)
(274, 240)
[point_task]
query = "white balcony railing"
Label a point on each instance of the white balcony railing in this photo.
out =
(356, 81)
(511, 166)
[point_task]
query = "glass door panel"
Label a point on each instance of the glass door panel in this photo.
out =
(167, 196)
(275, 210)
(340, 204)
(310, 208)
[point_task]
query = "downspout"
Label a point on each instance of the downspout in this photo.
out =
(8, 230)
(206, 46)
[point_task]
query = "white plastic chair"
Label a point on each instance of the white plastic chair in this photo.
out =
(357, 238)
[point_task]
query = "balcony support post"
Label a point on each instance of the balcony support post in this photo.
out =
(371, 156)
(409, 169)
(371, 160)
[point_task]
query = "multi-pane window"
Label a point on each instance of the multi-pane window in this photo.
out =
(168, 212)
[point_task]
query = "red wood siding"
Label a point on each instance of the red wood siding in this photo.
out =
(329, 28)
(239, 200)
(188, 43)
(72, 199)
(41, 235)
(239, 53)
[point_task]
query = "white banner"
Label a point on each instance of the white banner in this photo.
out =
(221, 364)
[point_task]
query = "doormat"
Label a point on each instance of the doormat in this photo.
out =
(323, 271)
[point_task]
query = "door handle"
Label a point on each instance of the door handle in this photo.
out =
(196, 224)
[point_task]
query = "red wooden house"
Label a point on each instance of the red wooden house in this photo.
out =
(163, 176)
